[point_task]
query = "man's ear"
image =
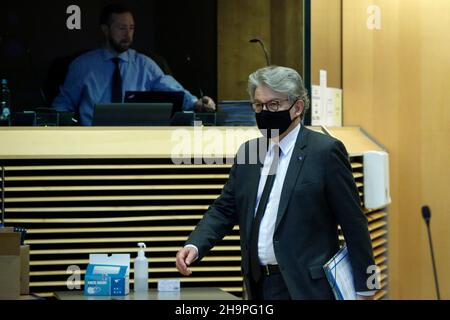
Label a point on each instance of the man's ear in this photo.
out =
(105, 29)
(299, 107)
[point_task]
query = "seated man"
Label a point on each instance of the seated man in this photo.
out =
(105, 74)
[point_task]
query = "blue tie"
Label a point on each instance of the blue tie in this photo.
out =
(116, 94)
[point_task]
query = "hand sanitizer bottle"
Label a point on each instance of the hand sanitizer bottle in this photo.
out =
(141, 270)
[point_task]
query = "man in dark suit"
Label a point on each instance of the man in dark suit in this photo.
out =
(289, 205)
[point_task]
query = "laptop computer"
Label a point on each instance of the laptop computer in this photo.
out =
(174, 97)
(132, 114)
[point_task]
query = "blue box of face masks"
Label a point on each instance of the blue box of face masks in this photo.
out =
(106, 280)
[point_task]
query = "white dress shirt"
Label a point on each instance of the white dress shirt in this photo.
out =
(265, 240)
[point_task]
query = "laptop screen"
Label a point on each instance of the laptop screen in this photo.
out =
(132, 114)
(174, 97)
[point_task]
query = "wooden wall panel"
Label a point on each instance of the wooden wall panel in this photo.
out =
(326, 41)
(394, 87)
(238, 22)
(287, 29)
(370, 107)
(278, 23)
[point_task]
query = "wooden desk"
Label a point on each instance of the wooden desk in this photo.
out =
(153, 294)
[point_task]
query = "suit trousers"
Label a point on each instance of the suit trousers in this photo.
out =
(271, 287)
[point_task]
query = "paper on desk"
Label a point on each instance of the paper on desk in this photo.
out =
(326, 106)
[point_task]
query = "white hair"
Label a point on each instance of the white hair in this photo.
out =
(279, 79)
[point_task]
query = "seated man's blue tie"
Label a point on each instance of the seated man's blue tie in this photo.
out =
(116, 93)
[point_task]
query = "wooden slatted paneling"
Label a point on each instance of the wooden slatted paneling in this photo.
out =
(74, 208)
(378, 226)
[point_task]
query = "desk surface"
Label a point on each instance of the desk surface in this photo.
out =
(153, 294)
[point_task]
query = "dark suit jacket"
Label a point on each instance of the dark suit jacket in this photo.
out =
(319, 192)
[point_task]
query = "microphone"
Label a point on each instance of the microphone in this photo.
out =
(264, 49)
(426, 214)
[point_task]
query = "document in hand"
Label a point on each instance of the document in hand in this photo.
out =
(340, 276)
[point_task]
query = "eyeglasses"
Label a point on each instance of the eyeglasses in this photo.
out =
(272, 105)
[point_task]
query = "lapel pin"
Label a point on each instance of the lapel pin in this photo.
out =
(300, 158)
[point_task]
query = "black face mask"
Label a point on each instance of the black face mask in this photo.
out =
(268, 121)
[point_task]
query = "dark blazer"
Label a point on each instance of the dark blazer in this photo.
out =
(319, 192)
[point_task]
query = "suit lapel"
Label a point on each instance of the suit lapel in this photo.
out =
(294, 169)
(254, 174)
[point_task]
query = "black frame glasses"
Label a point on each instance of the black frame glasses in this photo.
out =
(272, 105)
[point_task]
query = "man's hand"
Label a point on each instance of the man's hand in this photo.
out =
(208, 105)
(185, 257)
